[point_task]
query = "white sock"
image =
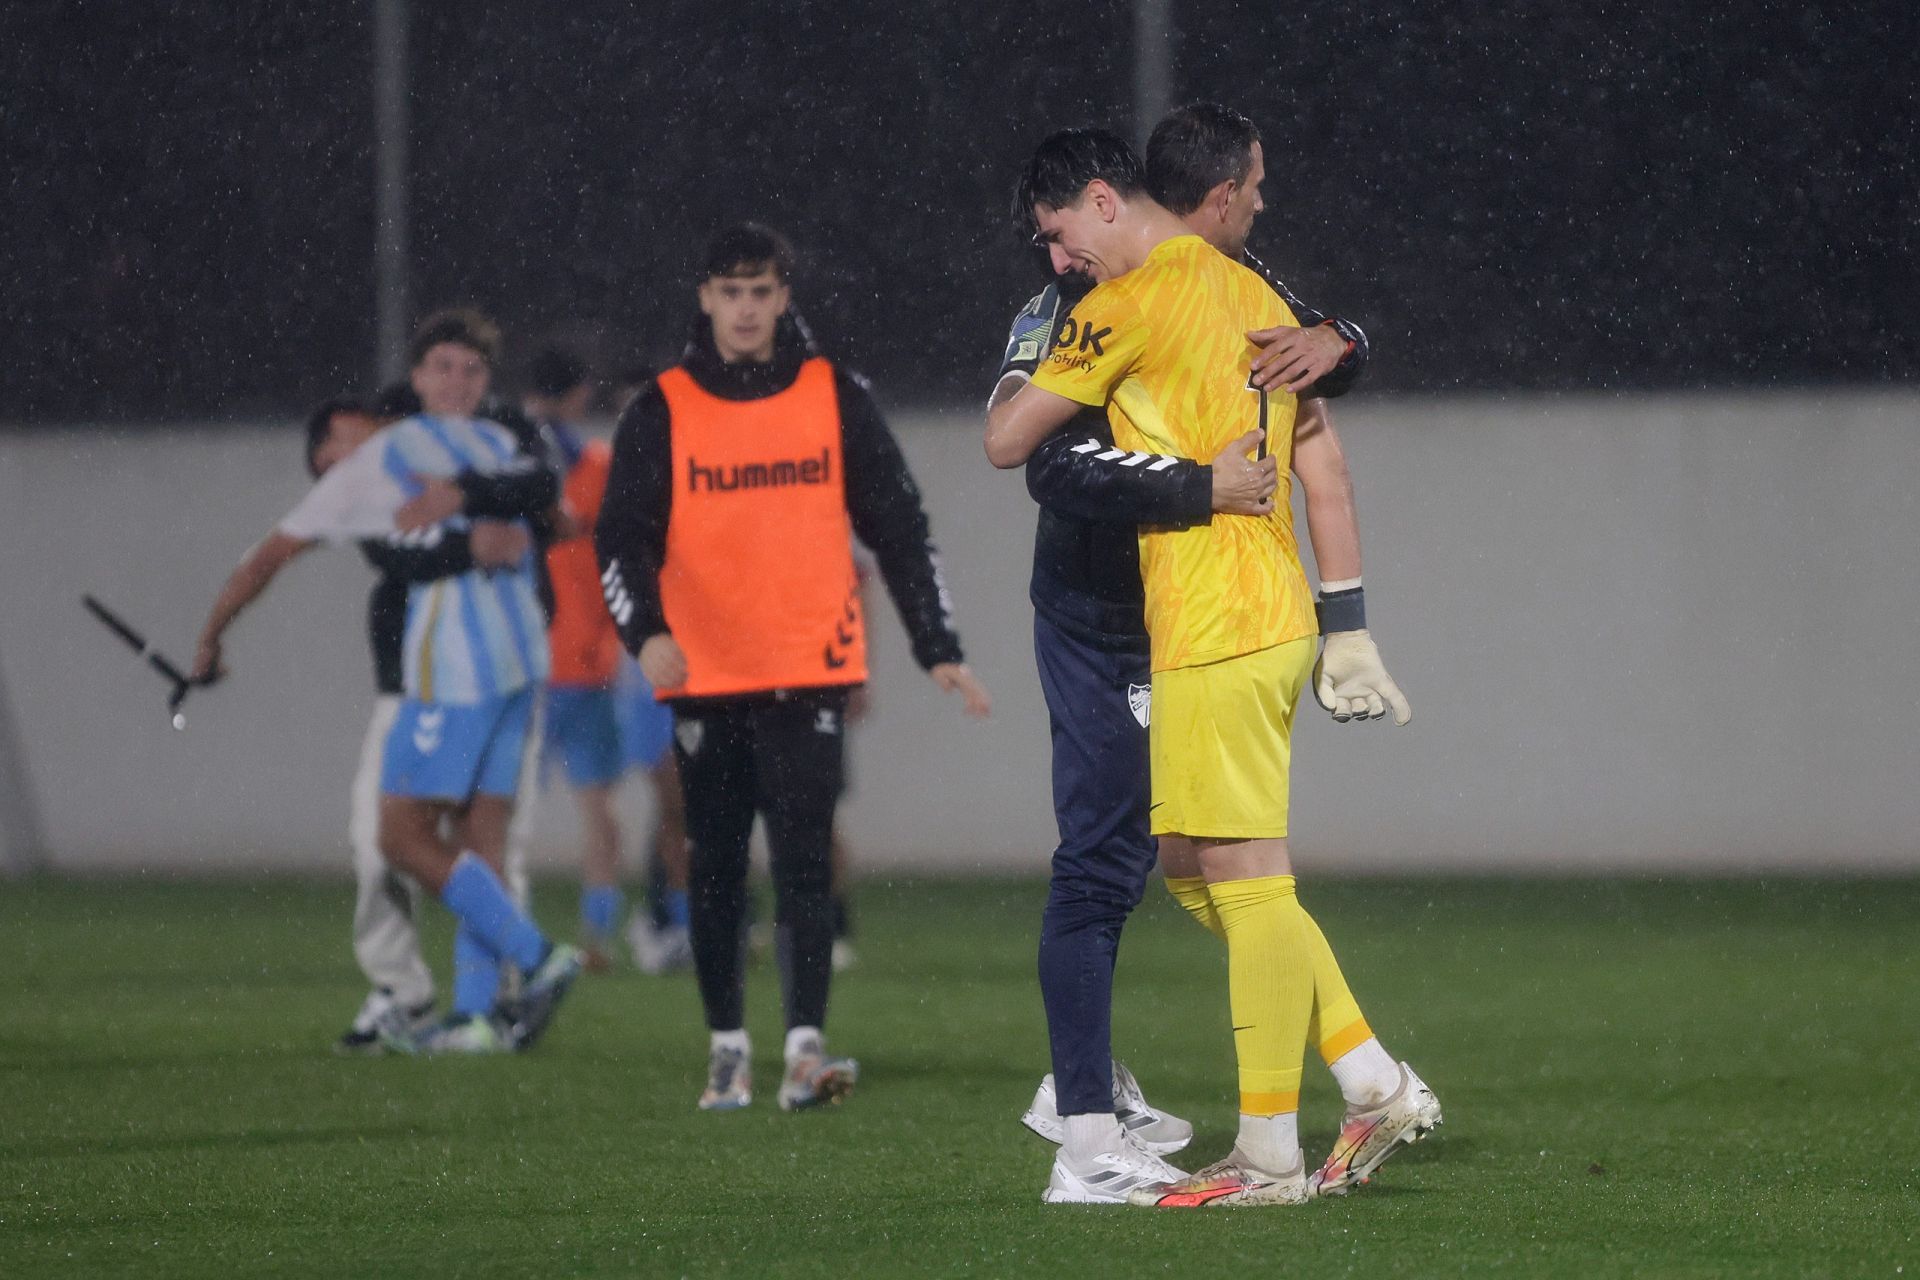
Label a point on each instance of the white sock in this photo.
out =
(729, 1040)
(1367, 1074)
(805, 1041)
(1270, 1143)
(1090, 1135)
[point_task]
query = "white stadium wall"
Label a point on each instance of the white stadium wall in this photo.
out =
(1661, 633)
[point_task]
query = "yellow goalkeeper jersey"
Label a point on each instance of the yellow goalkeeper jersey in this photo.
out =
(1164, 349)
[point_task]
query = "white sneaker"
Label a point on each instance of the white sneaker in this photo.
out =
(729, 1081)
(1230, 1183)
(1368, 1136)
(1110, 1177)
(1158, 1132)
(813, 1079)
(659, 949)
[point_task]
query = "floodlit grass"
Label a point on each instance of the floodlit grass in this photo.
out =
(1679, 1079)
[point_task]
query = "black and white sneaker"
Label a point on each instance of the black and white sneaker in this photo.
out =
(382, 1020)
(542, 993)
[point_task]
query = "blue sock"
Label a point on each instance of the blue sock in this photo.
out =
(474, 893)
(676, 900)
(476, 975)
(599, 910)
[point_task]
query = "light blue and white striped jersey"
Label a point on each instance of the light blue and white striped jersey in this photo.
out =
(482, 634)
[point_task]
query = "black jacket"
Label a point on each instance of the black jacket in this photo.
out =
(883, 502)
(1094, 496)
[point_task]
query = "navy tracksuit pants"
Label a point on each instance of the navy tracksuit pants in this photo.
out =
(1106, 851)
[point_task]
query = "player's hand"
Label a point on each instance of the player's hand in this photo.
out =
(956, 677)
(1242, 484)
(663, 662)
(1295, 358)
(1350, 681)
(440, 499)
(207, 666)
(859, 703)
(499, 544)
(566, 524)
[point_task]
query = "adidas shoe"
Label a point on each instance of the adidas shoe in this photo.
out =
(1110, 1177)
(379, 1013)
(813, 1079)
(1158, 1132)
(1368, 1136)
(729, 1081)
(1229, 1183)
(540, 996)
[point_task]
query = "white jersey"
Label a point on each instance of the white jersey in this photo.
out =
(469, 638)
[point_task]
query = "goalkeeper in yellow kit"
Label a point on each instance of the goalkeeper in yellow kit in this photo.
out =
(1162, 344)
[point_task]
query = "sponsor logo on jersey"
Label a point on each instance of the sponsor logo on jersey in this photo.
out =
(1140, 702)
(783, 474)
(1081, 337)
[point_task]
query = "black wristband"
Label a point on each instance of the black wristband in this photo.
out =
(1342, 610)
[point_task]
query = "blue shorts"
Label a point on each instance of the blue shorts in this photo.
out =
(646, 725)
(438, 751)
(582, 733)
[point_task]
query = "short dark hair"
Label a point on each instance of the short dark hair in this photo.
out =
(747, 249)
(1195, 149)
(462, 325)
(319, 425)
(1063, 165)
(555, 372)
(396, 400)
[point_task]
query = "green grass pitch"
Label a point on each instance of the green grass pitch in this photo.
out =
(1672, 1079)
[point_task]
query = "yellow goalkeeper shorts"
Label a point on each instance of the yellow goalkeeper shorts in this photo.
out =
(1222, 738)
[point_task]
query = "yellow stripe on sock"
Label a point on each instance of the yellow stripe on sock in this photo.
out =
(1345, 1041)
(1269, 1104)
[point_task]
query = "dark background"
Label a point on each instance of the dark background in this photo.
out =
(1507, 197)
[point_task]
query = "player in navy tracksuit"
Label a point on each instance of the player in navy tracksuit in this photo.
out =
(1091, 648)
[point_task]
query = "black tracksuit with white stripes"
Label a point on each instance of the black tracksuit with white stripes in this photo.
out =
(1090, 645)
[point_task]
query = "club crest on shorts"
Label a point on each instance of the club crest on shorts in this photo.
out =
(689, 733)
(427, 730)
(1140, 702)
(826, 720)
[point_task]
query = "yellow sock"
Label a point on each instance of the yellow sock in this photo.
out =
(1191, 893)
(1269, 987)
(1337, 1025)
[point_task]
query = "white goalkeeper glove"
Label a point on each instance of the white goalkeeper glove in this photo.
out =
(1350, 681)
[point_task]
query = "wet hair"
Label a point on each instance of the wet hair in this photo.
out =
(462, 325)
(555, 373)
(1195, 149)
(1063, 165)
(747, 249)
(319, 426)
